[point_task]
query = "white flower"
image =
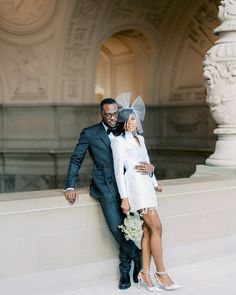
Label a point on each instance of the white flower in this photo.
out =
(132, 228)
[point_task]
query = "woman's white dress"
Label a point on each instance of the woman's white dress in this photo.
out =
(138, 188)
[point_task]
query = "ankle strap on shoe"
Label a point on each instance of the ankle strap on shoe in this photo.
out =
(145, 271)
(161, 272)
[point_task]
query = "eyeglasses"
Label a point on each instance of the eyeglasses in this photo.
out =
(110, 115)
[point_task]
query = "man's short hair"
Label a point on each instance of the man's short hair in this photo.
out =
(107, 100)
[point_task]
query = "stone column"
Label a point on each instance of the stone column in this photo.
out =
(220, 77)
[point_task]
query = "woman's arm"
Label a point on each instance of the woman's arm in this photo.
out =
(154, 180)
(118, 149)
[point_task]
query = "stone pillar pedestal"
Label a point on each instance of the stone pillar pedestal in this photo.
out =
(225, 149)
(205, 170)
(220, 77)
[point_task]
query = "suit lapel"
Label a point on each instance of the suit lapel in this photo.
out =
(103, 135)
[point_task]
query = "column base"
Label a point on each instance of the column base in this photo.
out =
(225, 149)
(205, 170)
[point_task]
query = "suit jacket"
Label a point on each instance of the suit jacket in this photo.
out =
(95, 140)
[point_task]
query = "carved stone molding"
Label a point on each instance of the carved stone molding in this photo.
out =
(220, 76)
(191, 123)
(206, 20)
(74, 62)
(80, 36)
(86, 10)
(227, 14)
(28, 71)
(152, 12)
(73, 90)
(25, 16)
(188, 94)
(83, 21)
(185, 128)
(221, 89)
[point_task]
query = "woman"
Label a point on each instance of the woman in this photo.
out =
(138, 195)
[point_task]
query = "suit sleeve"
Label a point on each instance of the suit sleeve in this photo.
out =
(117, 147)
(77, 160)
(154, 180)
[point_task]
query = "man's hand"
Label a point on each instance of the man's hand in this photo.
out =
(144, 168)
(70, 196)
(125, 205)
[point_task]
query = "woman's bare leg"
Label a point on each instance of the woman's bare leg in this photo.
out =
(146, 256)
(152, 221)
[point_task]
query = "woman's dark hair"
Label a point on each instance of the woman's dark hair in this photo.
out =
(124, 115)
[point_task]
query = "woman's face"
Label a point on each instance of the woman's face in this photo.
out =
(131, 124)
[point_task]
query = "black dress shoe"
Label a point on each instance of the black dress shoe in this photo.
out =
(137, 268)
(124, 282)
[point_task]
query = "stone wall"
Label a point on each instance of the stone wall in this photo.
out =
(37, 141)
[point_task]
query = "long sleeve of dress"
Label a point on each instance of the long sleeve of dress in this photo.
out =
(117, 147)
(154, 180)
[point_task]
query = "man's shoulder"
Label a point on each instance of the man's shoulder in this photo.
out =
(92, 128)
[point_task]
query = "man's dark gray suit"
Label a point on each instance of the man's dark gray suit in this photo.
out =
(95, 140)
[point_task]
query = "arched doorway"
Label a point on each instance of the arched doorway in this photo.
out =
(124, 64)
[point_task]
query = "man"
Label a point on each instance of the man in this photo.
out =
(96, 140)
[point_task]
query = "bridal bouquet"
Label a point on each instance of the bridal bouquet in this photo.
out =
(132, 228)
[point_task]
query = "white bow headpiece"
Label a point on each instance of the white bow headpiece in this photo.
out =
(138, 107)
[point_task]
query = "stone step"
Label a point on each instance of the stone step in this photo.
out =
(196, 265)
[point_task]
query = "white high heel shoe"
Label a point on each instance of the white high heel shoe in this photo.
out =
(172, 286)
(142, 283)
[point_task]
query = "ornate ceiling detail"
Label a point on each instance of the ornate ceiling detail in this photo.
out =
(25, 16)
(83, 21)
(150, 11)
(81, 30)
(198, 33)
(200, 30)
(86, 10)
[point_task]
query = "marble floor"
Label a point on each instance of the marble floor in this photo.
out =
(209, 277)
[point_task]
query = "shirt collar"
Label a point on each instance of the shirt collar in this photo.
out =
(105, 126)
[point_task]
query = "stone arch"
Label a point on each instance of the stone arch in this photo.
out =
(181, 78)
(139, 51)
